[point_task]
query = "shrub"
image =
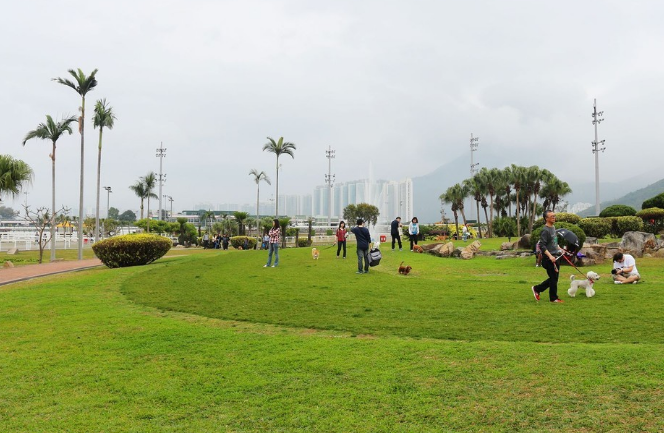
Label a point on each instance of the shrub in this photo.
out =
(618, 210)
(561, 217)
(505, 226)
(560, 225)
(238, 241)
(131, 250)
(329, 232)
(596, 227)
(627, 224)
(653, 219)
(656, 201)
(303, 243)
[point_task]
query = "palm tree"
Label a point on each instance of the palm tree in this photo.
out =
(455, 196)
(150, 181)
(82, 86)
(517, 179)
(139, 190)
(14, 174)
(52, 131)
(240, 217)
(257, 178)
(476, 190)
(492, 179)
(279, 148)
(104, 117)
(553, 190)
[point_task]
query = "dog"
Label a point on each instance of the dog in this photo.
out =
(417, 249)
(404, 270)
(315, 253)
(587, 284)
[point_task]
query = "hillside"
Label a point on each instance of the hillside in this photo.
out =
(633, 199)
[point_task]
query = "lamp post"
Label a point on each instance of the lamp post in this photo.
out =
(473, 167)
(108, 201)
(161, 154)
(329, 179)
(171, 200)
(596, 149)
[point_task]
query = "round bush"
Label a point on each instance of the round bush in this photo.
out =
(596, 227)
(561, 217)
(627, 224)
(559, 225)
(618, 210)
(303, 243)
(238, 241)
(131, 250)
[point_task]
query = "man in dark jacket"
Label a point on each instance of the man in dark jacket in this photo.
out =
(363, 240)
(550, 252)
(395, 231)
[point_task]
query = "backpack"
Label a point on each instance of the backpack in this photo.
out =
(374, 257)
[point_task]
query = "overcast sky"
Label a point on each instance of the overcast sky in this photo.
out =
(401, 85)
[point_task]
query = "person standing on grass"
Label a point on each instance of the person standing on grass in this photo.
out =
(395, 232)
(363, 241)
(342, 234)
(273, 246)
(413, 231)
(549, 246)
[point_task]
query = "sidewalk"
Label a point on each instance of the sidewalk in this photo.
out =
(27, 272)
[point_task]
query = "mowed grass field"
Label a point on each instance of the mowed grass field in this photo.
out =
(216, 342)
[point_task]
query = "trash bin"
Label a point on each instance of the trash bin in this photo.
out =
(383, 238)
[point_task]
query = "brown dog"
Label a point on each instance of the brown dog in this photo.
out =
(417, 249)
(404, 270)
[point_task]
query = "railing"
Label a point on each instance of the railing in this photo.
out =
(25, 241)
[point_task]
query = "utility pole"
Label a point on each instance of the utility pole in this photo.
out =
(596, 150)
(161, 154)
(171, 200)
(108, 204)
(473, 169)
(329, 179)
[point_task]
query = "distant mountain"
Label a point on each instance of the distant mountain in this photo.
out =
(633, 199)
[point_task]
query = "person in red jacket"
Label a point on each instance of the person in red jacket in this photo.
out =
(341, 234)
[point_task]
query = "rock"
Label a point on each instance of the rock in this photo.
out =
(586, 261)
(429, 247)
(443, 250)
(659, 253)
(8, 265)
(466, 254)
(506, 246)
(635, 243)
(475, 246)
(12, 251)
(595, 252)
(457, 252)
(524, 242)
(590, 241)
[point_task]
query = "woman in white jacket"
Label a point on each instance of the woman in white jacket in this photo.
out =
(413, 231)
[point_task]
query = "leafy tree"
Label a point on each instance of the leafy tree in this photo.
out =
(369, 213)
(241, 217)
(150, 181)
(476, 190)
(113, 213)
(618, 210)
(7, 213)
(518, 180)
(52, 131)
(455, 196)
(14, 174)
(279, 148)
(82, 84)
(143, 189)
(127, 216)
(656, 201)
(258, 177)
(284, 223)
(103, 118)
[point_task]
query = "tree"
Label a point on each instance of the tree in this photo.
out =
(52, 131)
(113, 213)
(240, 217)
(127, 216)
(7, 213)
(103, 118)
(455, 195)
(475, 189)
(141, 189)
(41, 219)
(369, 213)
(14, 174)
(656, 201)
(257, 178)
(517, 179)
(150, 181)
(279, 148)
(82, 86)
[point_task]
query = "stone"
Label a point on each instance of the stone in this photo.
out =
(474, 246)
(12, 251)
(524, 242)
(466, 254)
(586, 261)
(429, 247)
(506, 246)
(659, 253)
(8, 265)
(590, 241)
(596, 252)
(443, 250)
(635, 243)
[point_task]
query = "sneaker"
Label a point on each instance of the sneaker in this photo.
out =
(558, 301)
(359, 272)
(634, 282)
(535, 294)
(617, 282)
(266, 266)
(400, 249)
(274, 266)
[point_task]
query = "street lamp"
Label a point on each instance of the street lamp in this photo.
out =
(108, 200)
(171, 200)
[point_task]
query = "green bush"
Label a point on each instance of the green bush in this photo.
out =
(561, 217)
(596, 227)
(329, 232)
(238, 241)
(303, 243)
(618, 210)
(559, 225)
(131, 250)
(653, 219)
(505, 226)
(655, 202)
(627, 224)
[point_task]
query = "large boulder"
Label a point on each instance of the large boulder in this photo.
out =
(443, 250)
(595, 252)
(8, 265)
(635, 243)
(524, 242)
(507, 246)
(429, 247)
(470, 250)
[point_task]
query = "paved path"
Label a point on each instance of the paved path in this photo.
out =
(27, 272)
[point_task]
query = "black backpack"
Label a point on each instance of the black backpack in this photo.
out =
(374, 257)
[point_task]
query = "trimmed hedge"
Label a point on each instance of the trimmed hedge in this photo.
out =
(623, 224)
(303, 243)
(535, 237)
(618, 210)
(561, 217)
(596, 227)
(131, 250)
(238, 241)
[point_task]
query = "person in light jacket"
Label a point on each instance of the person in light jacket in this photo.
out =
(413, 232)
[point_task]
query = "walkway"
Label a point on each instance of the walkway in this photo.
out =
(27, 272)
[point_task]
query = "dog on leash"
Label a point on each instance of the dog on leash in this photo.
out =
(586, 284)
(315, 253)
(417, 249)
(404, 270)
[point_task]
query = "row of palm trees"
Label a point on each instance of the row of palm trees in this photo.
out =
(528, 183)
(144, 188)
(52, 131)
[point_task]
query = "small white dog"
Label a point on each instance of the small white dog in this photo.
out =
(586, 284)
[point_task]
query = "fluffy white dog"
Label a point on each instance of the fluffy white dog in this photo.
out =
(586, 284)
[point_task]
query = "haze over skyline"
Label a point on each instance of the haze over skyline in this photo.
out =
(398, 85)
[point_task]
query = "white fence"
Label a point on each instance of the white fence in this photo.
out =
(28, 241)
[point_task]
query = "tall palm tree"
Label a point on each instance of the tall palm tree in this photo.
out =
(492, 179)
(52, 131)
(257, 178)
(104, 118)
(82, 85)
(455, 196)
(139, 190)
(150, 181)
(279, 148)
(14, 174)
(475, 189)
(517, 180)
(240, 217)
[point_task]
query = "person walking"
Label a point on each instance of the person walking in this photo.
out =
(363, 240)
(395, 232)
(413, 232)
(342, 234)
(464, 233)
(550, 250)
(273, 246)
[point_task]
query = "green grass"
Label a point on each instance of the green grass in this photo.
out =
(216, 342)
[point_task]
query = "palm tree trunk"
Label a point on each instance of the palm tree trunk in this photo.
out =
(80, 201)
(490, 215)
(518, 221)
(148, 214)
(258, 193)
(52, 204)
(98, 187)
(479, 226)
(141, 207)
(276, 202)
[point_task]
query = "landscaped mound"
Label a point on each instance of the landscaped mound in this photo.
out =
(131, 250)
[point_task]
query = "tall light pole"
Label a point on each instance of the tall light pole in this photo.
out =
(596, 151)
(473, 169)
(108, 204)
(171, 200)
(161, 154)
(329, 179)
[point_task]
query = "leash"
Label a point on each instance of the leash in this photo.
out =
(564, 255)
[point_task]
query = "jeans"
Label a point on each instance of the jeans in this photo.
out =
(396, 238)
(362, 254)
(552, 282)
(273, 248)
(339, 245)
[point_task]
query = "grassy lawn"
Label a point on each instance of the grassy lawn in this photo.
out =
(216, 342)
